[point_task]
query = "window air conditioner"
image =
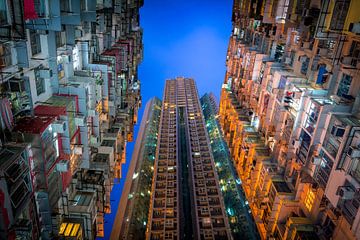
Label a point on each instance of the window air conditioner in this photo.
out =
(80, 121)
(91, 113)
(345, 192)
(59, 126)
(46, 73)
(296, 143)
(62, 166)
(317, 161)
(78, 150)
(353, 152)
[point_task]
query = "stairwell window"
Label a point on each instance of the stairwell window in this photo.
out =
(338, 18)
(309, 200)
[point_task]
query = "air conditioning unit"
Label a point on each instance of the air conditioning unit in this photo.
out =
(79, 33)
(296, 143)
(91, 113)
(354, 152)
(354, 28)
(92, 49)
(66, 58)
(335, 98)
(78, 150)
(59, 126)
(317, 161)
(80, 121)
(62, 166)
(94, 140)
(346, 192)
(46, 73)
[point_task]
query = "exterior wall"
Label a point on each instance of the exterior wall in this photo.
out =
(184, 153)
(52, 71)
(307, 81)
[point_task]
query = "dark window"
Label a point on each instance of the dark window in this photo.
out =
(344, 85)
(3, 13)
(5, 55)
(338, 132)
(59, 41)
(35, 42)
(40, 83)
(355, 53)
(339, 14)
(65, 6)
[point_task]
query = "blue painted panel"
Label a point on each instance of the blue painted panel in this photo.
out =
(322, 71)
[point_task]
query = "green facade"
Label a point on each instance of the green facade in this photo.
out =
(237, 209)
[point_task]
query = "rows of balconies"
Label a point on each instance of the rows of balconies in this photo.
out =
(289, 113)
(51, 64)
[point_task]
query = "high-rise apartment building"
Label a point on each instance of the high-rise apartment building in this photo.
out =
(131, 221)
(186, 200)
(69, 95)
(289, 111)
(237, 207)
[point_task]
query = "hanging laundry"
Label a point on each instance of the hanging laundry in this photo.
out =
(7, 119)
(29, 10)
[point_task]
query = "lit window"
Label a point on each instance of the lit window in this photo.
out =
(309, 200)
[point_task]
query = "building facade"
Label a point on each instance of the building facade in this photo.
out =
(69, 95)
(131, 221)
(237, 207)
(289, 111)
(186, 201)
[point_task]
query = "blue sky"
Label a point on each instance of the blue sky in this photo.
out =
(181, 38)
(184, 38)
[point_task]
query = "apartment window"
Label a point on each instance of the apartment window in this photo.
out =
(350, 208)
(355, 53)
(59, 39)
(40, 8)
(305, 65)
(309, 200)
(108, 20)
(169, 235)
(339, 14)
(5, 55)
(292, 57)
(324, 170)
(344, 85)
(3, 13)
(65, 6)
(39, 82)
(312, 117)
(169, 223)
(35, 42)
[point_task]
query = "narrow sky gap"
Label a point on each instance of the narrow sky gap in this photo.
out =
(181, 38)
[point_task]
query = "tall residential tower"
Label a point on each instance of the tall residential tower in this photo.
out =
(186, 201)
(131, 221)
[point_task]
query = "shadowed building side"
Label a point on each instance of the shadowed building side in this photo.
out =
(132, 214)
